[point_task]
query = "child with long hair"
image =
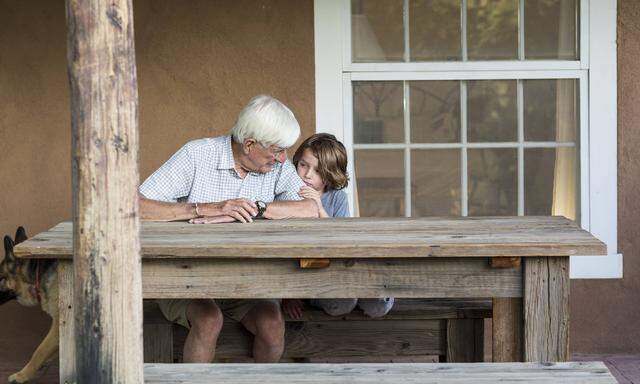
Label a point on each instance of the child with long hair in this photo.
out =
(321, 162)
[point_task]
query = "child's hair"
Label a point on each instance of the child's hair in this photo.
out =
(332, 159)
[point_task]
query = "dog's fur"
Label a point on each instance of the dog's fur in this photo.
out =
(18, 281)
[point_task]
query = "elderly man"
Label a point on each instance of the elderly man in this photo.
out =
(221, 180)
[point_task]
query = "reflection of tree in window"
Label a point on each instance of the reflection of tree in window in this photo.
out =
(492, 181)
(435, 111)
(550, 29)
(434, 30)
(492, 29)
(492, 110)
(378, 112)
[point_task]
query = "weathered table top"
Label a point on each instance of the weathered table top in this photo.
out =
(346, 238)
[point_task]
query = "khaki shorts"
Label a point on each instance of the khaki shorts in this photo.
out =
(175, 310)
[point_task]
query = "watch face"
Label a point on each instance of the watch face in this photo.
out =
(262, 206)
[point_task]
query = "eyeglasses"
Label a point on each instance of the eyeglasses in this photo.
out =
(275, 151)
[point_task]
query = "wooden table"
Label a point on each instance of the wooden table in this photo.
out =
(400, 257)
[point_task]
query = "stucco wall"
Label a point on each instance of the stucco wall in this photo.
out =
(605, 314)
(198, 63)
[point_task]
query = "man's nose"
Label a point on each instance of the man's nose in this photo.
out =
(282, 157)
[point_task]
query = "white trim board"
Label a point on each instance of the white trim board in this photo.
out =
(596, 69)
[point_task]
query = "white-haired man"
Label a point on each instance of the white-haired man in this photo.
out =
(225, 179)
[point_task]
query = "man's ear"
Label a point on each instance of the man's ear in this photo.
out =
(247, 145)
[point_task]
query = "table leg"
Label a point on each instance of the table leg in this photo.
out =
(465, 340)
(507, 329)
(67, 324)
(546, 309)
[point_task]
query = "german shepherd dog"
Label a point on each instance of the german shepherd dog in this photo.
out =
(31, 283)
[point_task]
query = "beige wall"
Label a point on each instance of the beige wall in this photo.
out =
(605, 314)
(198, 63)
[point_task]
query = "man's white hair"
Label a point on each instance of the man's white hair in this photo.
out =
(267, 121)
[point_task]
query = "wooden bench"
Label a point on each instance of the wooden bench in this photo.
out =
(444, 373)
(415, 330)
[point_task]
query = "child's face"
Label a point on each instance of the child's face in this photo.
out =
(308, 170)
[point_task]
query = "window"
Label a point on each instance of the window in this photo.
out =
(472, 108)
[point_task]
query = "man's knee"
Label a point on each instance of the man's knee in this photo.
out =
(270, 324)
(205, 317)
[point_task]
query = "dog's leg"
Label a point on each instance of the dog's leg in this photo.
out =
(43, 354)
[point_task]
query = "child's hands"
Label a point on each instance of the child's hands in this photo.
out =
(292, 308)
(309, 193)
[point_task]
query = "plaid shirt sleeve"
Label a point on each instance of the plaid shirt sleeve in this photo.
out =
(173, 180)
(288, 184)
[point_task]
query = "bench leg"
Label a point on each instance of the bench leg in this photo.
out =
(465, 340)
(158, 343)
(67, 324)
(546, 309)
(506, 328)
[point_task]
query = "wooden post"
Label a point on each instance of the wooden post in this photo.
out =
(546, 309)
(104, 119)
(465, 340)
(507, 329)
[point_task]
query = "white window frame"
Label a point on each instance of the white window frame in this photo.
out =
(596, 72)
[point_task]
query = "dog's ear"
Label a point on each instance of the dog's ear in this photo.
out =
(8, 250)
(21, 235)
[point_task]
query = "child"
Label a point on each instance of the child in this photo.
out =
(321, 162)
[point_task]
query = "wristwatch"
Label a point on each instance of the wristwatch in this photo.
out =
(262, 206)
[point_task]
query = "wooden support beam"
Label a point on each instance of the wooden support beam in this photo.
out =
(66, 322)
(314, 263)
(104, 119)
(400, 278)
(505, 262)
(465, 340)
(546, 309)
(507, 330)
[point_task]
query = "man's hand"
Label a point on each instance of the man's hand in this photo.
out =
(292, 308)
(241, 210)
(212, 220)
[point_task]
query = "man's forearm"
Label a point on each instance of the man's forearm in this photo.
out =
(291, 209)
(163, 211)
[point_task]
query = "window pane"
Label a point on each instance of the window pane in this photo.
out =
(493, 183)
(492, 111)
(435, 111)
(551, 182)
(378, 112)
(551, 110)
(377, 30)
(492, 27)
(435, 182)
(380, 182)
(434, 27)
(550, 29)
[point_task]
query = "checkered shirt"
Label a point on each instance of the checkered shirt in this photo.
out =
(203, 171)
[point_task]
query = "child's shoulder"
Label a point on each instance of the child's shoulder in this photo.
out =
(337, 194)
(336, 203)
